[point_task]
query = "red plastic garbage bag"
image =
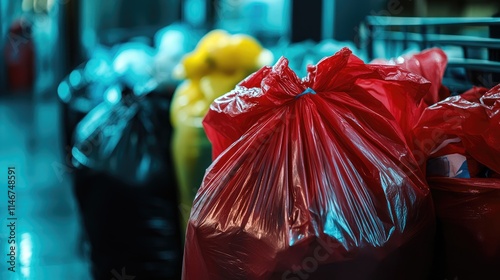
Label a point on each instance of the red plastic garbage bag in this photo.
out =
(468, 218)
(312, 180)
(430, 64)
(409, 106)
(473, 119)
(468, 210)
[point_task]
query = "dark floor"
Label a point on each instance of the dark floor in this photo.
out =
(47, 227)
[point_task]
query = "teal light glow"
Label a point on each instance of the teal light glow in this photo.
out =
(64, 91)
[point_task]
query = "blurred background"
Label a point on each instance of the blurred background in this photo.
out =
(101, 105)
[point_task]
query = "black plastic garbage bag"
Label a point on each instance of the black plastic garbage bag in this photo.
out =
(81, 91)
(126, 188)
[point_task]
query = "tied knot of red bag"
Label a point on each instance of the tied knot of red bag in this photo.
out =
(307, 91)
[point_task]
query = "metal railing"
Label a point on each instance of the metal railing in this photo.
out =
(476, 63)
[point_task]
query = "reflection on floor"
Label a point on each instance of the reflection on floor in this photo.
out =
(47, 229)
